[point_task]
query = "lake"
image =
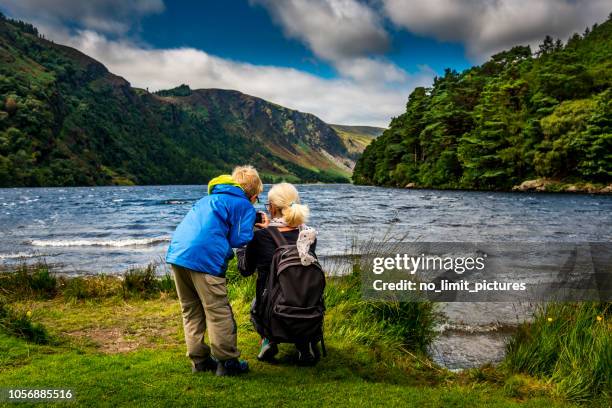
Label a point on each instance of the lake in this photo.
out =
(109, 229)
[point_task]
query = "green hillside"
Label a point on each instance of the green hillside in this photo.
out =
(357, 138)
(66, 120)
(520, 116)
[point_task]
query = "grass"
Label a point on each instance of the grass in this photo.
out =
(570, 346)
(20, 325)
(118, 349)
(28, 281)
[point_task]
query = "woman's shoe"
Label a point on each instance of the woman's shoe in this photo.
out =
(267, 351)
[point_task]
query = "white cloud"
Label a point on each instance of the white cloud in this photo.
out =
(347, 33)
(332, 29)
(343, 100)
(109, 16)
(344, 32)
(372, 70)
(489, 26)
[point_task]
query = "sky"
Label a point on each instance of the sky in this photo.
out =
(347, 61)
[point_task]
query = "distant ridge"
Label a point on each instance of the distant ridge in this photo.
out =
(357, 138)
(372, 131)
(66, 120)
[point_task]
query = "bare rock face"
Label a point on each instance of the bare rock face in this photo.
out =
(533, 185)
(607, 189)
(572, 189)
(540, 185)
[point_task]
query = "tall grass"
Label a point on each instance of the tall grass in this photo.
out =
(141, 282)
(387, 324)
(89, 287)
(569, 345)
(29, 281)
(36, 281)
(20, 324)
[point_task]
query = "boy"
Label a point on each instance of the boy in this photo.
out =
(200, 250)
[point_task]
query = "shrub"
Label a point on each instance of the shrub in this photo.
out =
(568, 345)
(19, 324)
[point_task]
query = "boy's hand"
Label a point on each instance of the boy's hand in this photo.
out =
(265, 221)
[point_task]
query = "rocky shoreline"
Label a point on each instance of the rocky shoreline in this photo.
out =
(548, 186)
(556, 186)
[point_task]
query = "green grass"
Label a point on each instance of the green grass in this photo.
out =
(161, 378)
(116, 350)
(570, 346)
(28, 281)
(20, 324)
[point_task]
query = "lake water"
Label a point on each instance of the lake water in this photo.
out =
(109, 229)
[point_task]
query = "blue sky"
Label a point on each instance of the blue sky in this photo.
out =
(346, 61)
(237, 30)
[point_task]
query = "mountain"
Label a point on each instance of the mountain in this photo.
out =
(66, 120)
(297, 137)
(357, 138)
(521, 119)
(367, 131)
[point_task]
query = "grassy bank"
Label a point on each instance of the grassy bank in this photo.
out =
(569, 345)
(119, 342)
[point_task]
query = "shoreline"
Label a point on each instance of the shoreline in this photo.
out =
(528, 186)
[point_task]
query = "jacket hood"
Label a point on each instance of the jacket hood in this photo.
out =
(225, 184)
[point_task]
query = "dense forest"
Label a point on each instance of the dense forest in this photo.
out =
(519, 116)
(65, 120)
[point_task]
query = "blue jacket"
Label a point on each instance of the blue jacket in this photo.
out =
(218, 222)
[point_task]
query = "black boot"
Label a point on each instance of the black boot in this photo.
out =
(210, 364)
(232, 366)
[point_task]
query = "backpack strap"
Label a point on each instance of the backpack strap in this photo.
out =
(278, 238)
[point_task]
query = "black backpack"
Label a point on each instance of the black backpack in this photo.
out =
(291, 308)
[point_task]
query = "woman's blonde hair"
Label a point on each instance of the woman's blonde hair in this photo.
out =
(285, 197)
(249, 179)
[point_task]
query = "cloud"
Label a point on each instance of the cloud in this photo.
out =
(489, 26)
(332, 29)
(108, 16)
(341, 100)
(347, 33)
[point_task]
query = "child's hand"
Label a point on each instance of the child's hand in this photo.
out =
(265, 221)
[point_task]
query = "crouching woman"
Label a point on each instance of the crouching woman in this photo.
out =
(305, 279)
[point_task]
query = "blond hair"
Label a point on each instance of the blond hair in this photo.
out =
(285, 197)
(249, 180)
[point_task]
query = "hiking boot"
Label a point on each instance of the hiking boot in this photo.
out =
(210, 364)
(267, 351)
(232, 366)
